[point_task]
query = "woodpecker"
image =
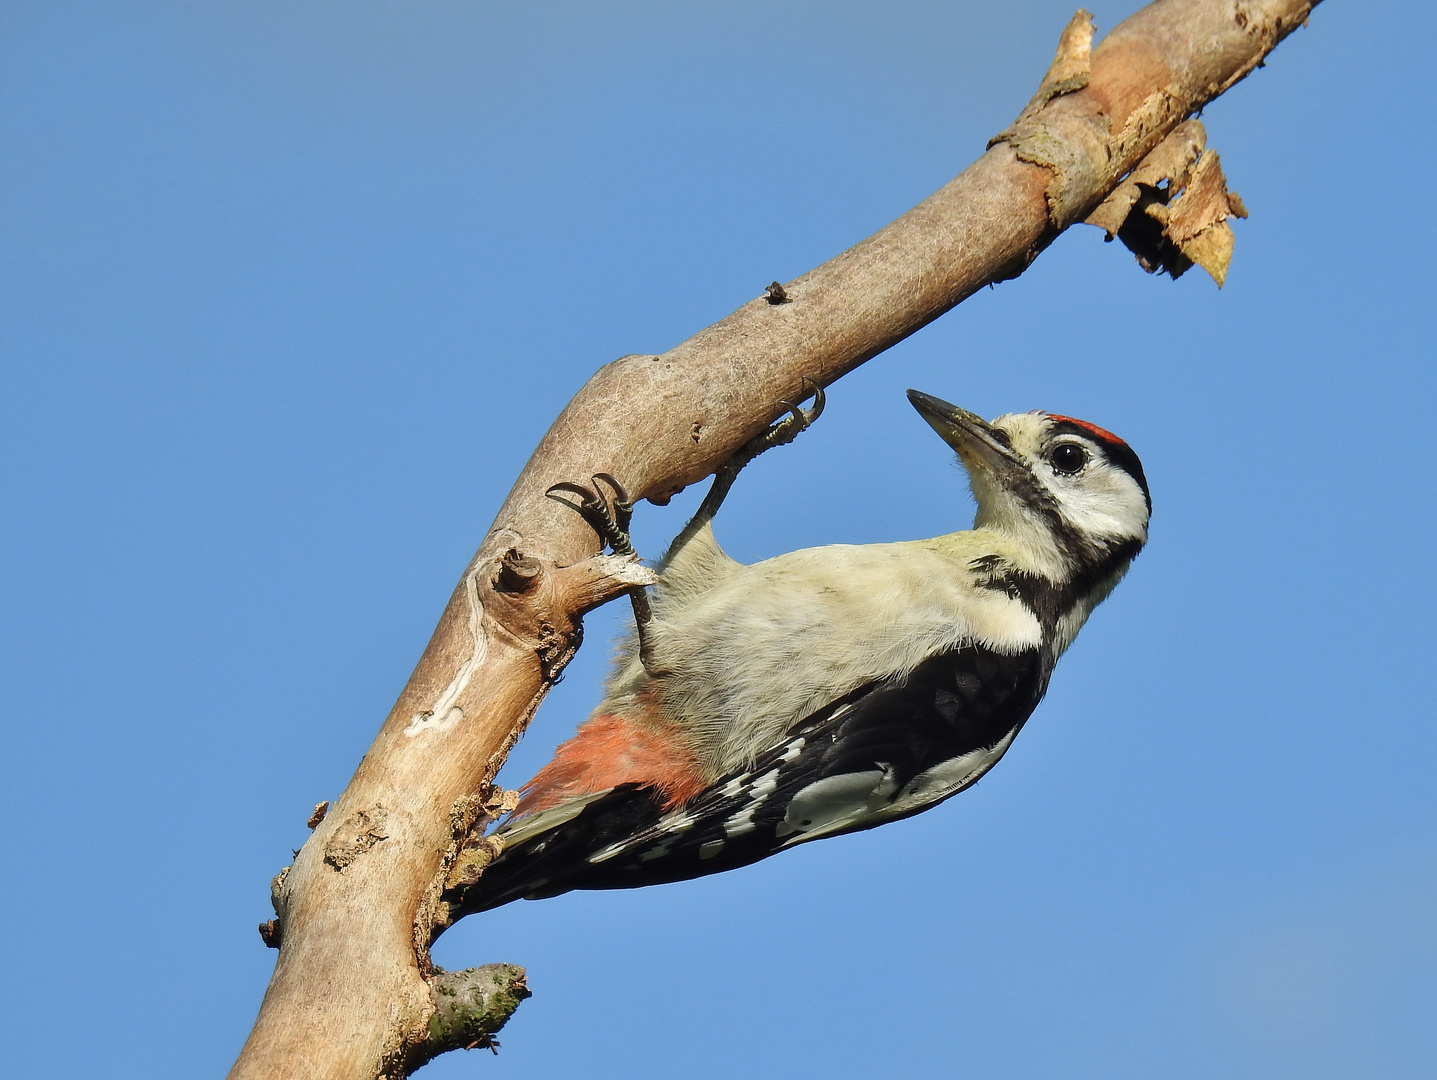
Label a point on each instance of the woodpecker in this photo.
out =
(831, 689)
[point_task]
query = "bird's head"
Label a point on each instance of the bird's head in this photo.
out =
(1050, 481)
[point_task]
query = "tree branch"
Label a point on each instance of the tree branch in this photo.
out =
(471, 1006)
(354, 994)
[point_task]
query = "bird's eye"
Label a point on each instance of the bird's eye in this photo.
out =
(1068, 458)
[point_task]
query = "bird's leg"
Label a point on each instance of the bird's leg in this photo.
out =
(613, 528)
(779, 433)
(613, 525)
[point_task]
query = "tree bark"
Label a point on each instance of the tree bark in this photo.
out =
(354, 994)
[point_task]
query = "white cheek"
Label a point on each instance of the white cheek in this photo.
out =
(1102, 502)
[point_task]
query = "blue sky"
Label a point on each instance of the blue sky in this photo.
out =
(290, 290)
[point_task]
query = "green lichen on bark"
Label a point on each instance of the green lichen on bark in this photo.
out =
(470, 1006)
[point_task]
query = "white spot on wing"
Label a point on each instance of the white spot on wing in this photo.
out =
(658, 851)
(764, 786)
(675, 821)
(734, 786)
(609, 852)
(742, 822)
(830, 803)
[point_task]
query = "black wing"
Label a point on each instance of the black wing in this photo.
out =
(884, 752)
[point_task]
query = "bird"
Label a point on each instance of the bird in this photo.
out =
(827, 690)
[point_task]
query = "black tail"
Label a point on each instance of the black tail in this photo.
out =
(570, 855)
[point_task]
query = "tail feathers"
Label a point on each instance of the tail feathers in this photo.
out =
(553, 851)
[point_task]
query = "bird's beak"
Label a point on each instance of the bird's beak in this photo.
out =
(977, 441)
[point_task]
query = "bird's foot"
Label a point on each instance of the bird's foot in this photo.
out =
(782, 432)
(612, 524)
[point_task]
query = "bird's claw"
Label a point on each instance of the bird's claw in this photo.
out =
(623, 505)
(782, 432)
(611, 525)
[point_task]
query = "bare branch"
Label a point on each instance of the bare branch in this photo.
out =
(354, 994)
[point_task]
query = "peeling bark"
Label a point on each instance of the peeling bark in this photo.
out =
(354, 994)
(357, 836)
(1172, 210)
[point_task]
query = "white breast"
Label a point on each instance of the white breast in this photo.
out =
(771, 643)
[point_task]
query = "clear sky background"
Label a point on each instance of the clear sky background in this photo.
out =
(289, 291)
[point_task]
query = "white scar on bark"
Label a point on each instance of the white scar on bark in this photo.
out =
(620, 572)
(445, 714)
